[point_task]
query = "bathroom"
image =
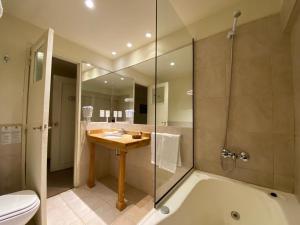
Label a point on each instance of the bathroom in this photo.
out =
(168, 112)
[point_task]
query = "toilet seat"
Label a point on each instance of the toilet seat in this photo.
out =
(18, 204)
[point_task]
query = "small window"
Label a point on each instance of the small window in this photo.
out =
(38, 65)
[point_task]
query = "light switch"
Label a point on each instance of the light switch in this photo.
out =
(102, 113)
(120, 114)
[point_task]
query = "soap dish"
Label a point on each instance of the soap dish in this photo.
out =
(136, 136)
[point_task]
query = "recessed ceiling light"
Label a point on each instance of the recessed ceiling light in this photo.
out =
(88, 64)
(172, 63)
(148, 35)
(129, 45)
(105, 81)
(113, 53)
(122, 78)
(89, 3)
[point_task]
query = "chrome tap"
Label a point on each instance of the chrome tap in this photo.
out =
(244, 156)
(228, 154)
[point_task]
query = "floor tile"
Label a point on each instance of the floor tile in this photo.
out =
(97, 205)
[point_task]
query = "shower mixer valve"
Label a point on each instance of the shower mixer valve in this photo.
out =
(244, 156)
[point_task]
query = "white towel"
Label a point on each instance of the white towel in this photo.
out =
(167, 151)
(159, 147)
(170, 154)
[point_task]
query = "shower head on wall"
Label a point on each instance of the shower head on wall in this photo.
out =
(237, 14)
(1, 9)
(232, 33)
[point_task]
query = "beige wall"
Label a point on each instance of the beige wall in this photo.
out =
(261, 115)
(15, 40)
(295, 36)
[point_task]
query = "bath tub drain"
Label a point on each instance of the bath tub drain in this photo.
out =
(235, 215)
(165, 210)
(273, 194)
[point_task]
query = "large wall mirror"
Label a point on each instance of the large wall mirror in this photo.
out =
(120, 96)
(128, 95)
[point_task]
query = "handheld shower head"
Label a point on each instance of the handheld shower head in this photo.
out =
(1, 9)
(237, 14)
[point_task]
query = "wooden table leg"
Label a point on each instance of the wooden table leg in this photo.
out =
(121, 181)
(91, 178)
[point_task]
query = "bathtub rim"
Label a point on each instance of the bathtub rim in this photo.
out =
(287, 202)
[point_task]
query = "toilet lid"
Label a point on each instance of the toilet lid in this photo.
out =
(17, 201)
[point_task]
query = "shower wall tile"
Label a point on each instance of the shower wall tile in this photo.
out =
(261, 120)
(213, 115)
(283, 146)
(252, 76)
(251, 113)
(283, 114)
(258, 145)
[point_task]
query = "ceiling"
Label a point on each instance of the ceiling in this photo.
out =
(106, 28)
(112, 23)
(200, 9)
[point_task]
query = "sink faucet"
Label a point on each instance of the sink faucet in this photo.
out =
(123, 131)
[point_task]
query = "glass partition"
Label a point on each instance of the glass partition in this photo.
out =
(173, 97)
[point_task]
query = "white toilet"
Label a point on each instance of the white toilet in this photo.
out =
(18, 208)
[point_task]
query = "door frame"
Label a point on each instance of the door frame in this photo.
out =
(54, 153)
(77, 114)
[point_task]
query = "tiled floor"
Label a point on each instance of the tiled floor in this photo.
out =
(96, 206)
(59, 181)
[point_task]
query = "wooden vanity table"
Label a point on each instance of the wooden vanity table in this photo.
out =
(122, 145)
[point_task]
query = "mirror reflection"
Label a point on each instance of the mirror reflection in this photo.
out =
(106, 97)
(128, 95)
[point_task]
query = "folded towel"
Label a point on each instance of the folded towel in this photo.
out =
(167, 151)
(159, 147)
(170, 154)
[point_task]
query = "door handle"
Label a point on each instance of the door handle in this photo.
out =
(42, 127)
(38, 128)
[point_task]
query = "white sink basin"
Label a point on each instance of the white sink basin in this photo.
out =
(112, 135)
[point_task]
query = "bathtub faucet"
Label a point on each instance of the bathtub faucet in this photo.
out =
(244, 156)
(228, 154)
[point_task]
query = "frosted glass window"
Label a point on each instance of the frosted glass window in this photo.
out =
(38, 65)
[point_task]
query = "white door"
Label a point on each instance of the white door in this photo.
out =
(63, 123)
(162, 104)
(37, 120)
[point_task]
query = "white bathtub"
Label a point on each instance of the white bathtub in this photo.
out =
(206, 199)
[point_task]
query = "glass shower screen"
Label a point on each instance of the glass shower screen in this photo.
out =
(173, 95)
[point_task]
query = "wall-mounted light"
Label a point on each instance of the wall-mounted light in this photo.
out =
(172, 63)
(148, 35)
(105, 82)
(89, 4)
